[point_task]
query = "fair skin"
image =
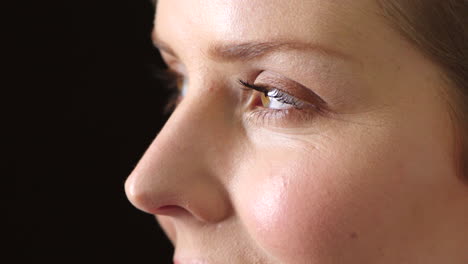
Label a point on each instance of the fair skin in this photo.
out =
(367, 175)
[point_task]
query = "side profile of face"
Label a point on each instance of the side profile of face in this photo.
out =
(308, 131)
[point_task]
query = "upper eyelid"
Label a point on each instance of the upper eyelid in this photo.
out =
(281, 94)
(173, 64)
(163, 47)
(259, 88)
(167, 57)
(267, 89)
(304, 94)
(294, 89)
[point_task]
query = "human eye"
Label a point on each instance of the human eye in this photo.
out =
(274, 98)
(282, 102)
(177, 85)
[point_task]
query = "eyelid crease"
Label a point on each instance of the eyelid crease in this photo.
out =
(290, 87)
(276, 93)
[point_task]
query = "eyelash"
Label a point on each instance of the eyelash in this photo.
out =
(278, 94)
(171, 80)
(299, 112)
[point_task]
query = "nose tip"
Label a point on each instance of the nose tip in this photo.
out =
(144, 199)
(196, 202)
(161, 199)
(136, 196)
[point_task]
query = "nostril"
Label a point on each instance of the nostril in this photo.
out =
(159, 193)
(170, 210)
(152, 200)
(167, 208)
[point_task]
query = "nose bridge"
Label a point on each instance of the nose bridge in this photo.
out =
(178, 167)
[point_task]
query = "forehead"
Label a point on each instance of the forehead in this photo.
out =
(338, 24)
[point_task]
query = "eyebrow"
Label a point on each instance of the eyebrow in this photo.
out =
(254, 50)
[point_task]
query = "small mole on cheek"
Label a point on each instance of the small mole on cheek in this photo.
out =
(353, 235)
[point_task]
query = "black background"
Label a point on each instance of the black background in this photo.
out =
(87, 107)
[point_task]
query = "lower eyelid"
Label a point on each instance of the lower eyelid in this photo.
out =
(291, 117)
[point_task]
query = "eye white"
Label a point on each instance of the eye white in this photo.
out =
(184, 88)
(275, 103)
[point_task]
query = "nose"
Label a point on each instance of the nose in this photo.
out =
(181, 172)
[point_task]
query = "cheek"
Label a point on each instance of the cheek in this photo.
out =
(292, 211)
(328, 207)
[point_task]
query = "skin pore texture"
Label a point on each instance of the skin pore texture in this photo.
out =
(366, 176)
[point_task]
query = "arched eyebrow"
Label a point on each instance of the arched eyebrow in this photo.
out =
(228, 52)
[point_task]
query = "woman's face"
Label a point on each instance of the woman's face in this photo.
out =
(308, 132)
